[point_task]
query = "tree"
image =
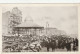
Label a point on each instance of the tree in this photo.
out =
(15, 19)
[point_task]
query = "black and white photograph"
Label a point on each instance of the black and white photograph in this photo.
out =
(40, 29)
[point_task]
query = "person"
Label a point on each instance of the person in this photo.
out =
(74, 47)
(56, 43)
(47, 46)
(63, 44)
(76, 41)
(68, 46)
(59, 43)
(53, 44)
(38, 47)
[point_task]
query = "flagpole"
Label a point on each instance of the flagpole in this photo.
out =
(47, 26)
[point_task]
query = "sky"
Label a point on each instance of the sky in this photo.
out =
(60, 17)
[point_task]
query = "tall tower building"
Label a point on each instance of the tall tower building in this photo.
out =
(11, 19)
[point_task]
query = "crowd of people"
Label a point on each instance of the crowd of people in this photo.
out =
(37, 43)
(71, 44)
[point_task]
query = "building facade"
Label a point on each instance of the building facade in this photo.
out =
(11, 19)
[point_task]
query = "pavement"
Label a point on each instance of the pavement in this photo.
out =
(56, 50)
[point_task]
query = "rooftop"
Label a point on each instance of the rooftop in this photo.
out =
(28, 24)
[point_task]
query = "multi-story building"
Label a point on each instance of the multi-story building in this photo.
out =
(5, 22)
(11, 19)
